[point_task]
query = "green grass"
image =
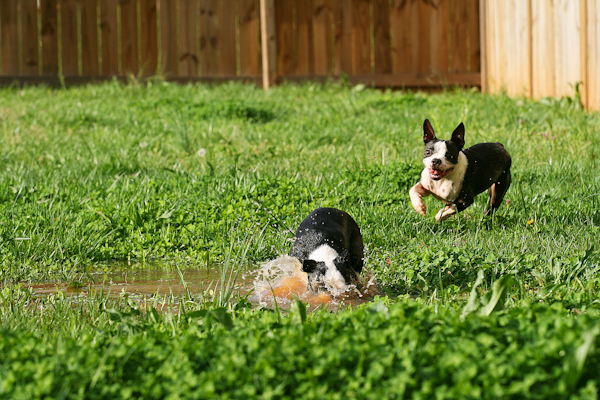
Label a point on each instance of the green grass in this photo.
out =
(190, 175)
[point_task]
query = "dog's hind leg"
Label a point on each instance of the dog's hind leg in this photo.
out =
(445, 212)
(497, 192)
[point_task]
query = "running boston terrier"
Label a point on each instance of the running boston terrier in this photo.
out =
(329, 245)
(456, 176)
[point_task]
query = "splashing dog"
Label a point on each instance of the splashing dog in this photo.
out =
(455, 176)
(329, 245)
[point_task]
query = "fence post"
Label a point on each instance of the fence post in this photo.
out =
(268, 45)
(483, 26)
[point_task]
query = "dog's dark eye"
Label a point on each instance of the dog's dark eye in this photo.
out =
(427, 153)
(449, 157)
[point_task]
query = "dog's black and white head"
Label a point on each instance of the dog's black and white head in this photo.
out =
(326, 269)
(441, 156)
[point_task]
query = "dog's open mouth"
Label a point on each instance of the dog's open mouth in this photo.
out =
(439, 174)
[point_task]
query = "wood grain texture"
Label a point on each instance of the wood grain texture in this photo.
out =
(49, 33)
(249, 34)
(401, 36)
(108, 33)
(30, 62)
(593, 54)
(361, 37)
(542, 49)
(381, 37)
(69, 37)
(322, 25)
(474, 43)
(9, 39)
(129, 37)
(343, 23)
(226, 39)
(167, 10)
(89, 38)
(188, 53)
(149, 37)
(443, 24)
(284, 26)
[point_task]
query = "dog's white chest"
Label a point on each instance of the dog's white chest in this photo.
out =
(448, 188)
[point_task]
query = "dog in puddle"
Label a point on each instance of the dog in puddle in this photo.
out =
(329, 245)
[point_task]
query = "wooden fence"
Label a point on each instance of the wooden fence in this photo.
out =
(376, 42)
(540, 48)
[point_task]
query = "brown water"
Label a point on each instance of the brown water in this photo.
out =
(143, 281)
(278, 281)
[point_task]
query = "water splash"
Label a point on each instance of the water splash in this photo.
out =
(283, 280)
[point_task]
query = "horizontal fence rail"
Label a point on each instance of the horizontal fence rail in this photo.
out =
(376, 42)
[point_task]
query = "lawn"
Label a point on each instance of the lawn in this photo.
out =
(195, 175)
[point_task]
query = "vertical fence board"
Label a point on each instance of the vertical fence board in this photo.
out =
(490, 45)
(69, 38)
(188, 45)
(401, 36)
(567, 39)
(518, 49)
(342, 16)
(168, 37)
(381, 36)
(10, 34)
(304, 54)
(499, 45)
(208, 38)
(444, 21)
(284, 26)
(594, 65)
(108, 29)
(421, 36)
(593, 60)
(226, 39)
(149, 38)
(30, 63)
(583, 56)
(129, 37)
(361, 36)
(458, 15)
(249, 29)
(89, 38)
(49, 18)
(542, 49)
(474, 45)
(501, 50)
(322, 37)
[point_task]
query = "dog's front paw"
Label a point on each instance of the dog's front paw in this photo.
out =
(417, 202)
(420, 207)
(444, 213)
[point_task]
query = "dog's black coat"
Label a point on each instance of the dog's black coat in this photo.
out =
(333, 228)
(489, 163)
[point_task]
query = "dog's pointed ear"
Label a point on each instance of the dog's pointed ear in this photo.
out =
(458, 136)
(428, 133)
(342, 258)
(309, 266)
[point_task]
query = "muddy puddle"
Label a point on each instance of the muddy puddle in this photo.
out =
(275, 283)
